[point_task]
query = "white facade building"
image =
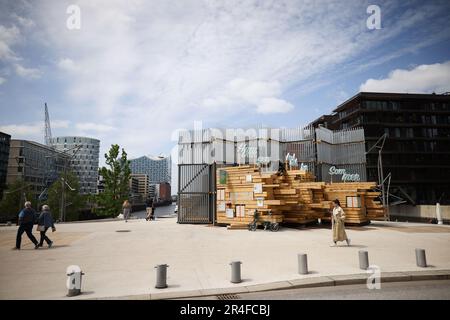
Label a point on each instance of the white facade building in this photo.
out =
(84, 161)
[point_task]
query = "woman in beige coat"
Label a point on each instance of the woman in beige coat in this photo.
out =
(126, 207)
(338, 219)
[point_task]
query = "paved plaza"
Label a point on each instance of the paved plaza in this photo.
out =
(118, 258)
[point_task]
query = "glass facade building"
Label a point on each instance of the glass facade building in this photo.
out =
(4, 155)
(158, 169)
(35, 164)
(417, 147)
(84, 161)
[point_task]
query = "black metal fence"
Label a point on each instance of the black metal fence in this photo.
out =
(196, 193)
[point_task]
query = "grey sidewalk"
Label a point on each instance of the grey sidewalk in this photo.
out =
(121, 264)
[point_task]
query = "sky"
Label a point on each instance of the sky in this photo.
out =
(136, 71)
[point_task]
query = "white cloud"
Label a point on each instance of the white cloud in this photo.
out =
(67, 64)
(27, 73)
(422, 79)
(58, 124)
(8, 37)
(273, 105)
(262, 95)
(25, 22)
(2, 80)
(32, 131)
(149, 67)
(22, 130)
(96, 127)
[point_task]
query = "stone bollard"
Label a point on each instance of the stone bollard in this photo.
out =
(73, 283)
(363, 259)
(161, 276)
(302, 263)
(421, 260)
(236, 271)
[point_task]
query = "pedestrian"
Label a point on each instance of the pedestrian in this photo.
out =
(45, 221)
(152, 217)
(126, 207)
(149, 208)
(26, 221)
(338, 219)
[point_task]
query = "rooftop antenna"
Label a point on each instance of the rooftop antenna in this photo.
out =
(48, 130)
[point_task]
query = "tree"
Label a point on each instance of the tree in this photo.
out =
(116, 179)
(14, 199)
(74, 201)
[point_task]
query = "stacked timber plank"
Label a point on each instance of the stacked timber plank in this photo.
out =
(245, 190)
(303, 197)
(364, 209)
(291, 197)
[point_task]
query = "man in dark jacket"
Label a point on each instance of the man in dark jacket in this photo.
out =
(26, 222)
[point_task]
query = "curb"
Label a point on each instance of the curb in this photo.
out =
(314, 282)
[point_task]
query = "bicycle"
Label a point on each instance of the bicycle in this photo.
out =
(267, 225)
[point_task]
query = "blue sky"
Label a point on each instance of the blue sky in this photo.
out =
(138, 70)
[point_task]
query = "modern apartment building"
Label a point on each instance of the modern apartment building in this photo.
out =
(84, 153)
(417, 148)
(4, 155)
(35, 164)
(142, 185)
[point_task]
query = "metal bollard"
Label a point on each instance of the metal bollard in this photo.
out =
(302, 263)
(73, 283)
(161, 276)
(438, 214)
(363, 259)
(421, 259)
(236, 271)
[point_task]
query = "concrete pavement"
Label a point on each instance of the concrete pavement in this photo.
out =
(119, 258)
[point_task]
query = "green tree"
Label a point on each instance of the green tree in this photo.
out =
(116, 179)
(74, 201)
(14, 196)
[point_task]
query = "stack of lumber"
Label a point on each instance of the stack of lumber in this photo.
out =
(246, 190)
(292, 197)
(368, 209)
(303, 197)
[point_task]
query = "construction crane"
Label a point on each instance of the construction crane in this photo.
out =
(48, 130)
(49, 174)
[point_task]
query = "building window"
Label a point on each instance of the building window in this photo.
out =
(354, 202)
(409, 133)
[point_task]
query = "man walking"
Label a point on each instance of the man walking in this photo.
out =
(26, 222)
